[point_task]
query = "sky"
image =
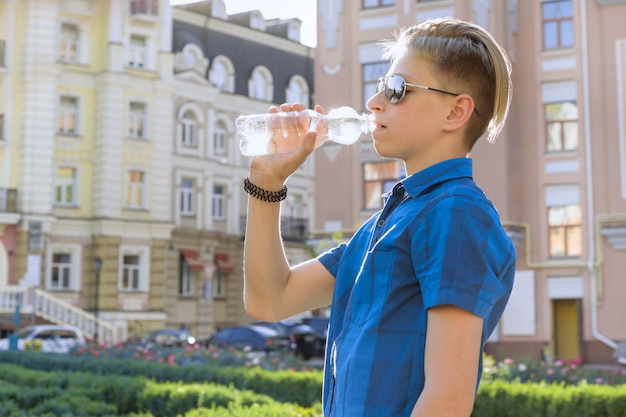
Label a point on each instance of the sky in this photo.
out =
(305, 10)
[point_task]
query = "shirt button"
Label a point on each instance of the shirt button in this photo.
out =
(380, 223)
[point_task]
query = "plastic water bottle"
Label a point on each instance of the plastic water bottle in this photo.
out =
(264, 134)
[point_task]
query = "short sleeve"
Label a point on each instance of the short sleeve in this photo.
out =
(461, 255)
(331, 258)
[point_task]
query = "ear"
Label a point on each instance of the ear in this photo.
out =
(461, 110)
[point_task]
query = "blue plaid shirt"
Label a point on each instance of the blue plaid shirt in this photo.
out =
(438, 240)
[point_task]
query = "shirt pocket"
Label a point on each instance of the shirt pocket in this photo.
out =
(371, 286)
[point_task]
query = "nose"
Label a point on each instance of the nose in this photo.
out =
(376, 102)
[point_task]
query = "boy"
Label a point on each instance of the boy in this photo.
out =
(420, 287)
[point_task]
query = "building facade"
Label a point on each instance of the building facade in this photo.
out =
(121, 204)
(557, 174)
(225, 66)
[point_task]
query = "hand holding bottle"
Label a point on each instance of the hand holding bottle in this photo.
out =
(270, 170)
(280, 132)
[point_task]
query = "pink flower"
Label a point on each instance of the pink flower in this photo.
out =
(559, 363)
(550, 371)
(508, 361)
(171, 359)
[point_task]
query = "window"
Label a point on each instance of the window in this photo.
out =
(561, 126)
(150, 7)
(297, 91)
(217, 204)
(189, 129)
(137, 120)
(220, 74)
(186, 197)
(219, 139)
(379, 178)
(69, 43)
(558, 25)
(184, 282)
(135, 190)
(131, 271)
(219, 284)
(61, 271)
(65, 186)
(565, 232)
(371, 73)
(134, 268)
(137, 52)
(368, 4)
(68, 115)
(260, 84)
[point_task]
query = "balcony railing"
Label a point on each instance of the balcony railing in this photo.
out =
(146, 7)
(8, 200)
(293, 229)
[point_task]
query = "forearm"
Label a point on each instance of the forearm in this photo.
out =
(266, 270)
(444, 403)
(451, 358)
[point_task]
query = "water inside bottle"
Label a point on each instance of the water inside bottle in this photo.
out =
(342, 125)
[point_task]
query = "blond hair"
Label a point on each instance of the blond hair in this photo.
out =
(468, 60)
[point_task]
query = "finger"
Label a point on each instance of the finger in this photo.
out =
(298, 106)
(319, 109)
(273, 109)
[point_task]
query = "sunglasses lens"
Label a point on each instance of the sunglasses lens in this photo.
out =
(395, 88)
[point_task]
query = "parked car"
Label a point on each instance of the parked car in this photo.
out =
(303, 339)
(47, 338)
(166, 338)
(256, 338)
(319, 324)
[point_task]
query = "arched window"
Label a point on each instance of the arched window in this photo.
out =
(220, 135)
(222, 74)
(297, 90)
(189, 126)
(260, 85)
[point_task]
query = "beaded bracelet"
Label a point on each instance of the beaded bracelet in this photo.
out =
(264, 195)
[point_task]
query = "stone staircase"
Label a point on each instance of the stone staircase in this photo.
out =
(40, 303)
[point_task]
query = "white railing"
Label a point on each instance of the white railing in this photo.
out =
(33, 300)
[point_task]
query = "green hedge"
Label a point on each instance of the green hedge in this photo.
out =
(27, 392)
(63, 386)
(515, 399)
(301, 387)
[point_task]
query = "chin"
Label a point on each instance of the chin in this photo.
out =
(380, 151)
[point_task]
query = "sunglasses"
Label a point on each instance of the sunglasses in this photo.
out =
(394, 88)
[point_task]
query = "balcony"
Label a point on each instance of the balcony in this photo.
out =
(293, 229)
(144, 7)
(8, 200)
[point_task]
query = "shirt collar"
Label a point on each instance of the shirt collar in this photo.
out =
(436, 174)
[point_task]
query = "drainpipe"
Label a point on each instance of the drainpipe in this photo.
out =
(593, 304)
(8, 51)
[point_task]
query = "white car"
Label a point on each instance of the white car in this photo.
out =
(47, 338)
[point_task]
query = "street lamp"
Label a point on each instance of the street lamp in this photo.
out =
(97, 265)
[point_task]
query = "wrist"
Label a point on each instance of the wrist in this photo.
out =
(267, 195)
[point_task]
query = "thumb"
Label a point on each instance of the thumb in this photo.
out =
(308, 144)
